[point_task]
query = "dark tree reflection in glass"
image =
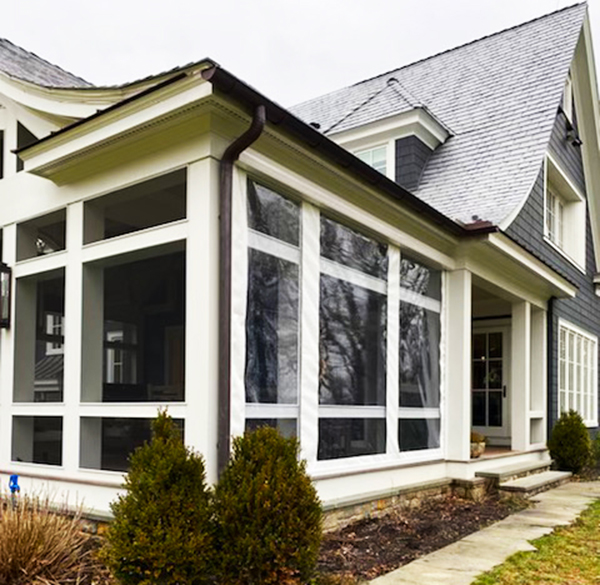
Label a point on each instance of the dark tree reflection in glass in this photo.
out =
(271, 330)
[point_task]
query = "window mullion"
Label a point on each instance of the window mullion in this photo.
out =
(393, 351)
(309, 332)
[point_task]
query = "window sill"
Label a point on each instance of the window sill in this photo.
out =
(321, 470)
(564, 254)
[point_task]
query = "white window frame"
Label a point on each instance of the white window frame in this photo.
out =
(565, 211)
(367, 153)
(54, 326)
(577, 380)
(308, 411)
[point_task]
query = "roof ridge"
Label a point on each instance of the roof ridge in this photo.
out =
(369, 99)
(2, 39)
(445, 51)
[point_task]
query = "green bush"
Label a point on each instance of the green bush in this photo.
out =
(570, 445)
(267, 513)
(162, 531)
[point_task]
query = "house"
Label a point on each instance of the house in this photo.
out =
(377, 271)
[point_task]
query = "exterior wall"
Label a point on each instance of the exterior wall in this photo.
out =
(528, 230)
(411, 157)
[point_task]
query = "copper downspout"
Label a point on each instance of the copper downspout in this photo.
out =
(225, 190)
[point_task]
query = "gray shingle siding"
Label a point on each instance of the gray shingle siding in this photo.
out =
(411, 157)
(528, 230)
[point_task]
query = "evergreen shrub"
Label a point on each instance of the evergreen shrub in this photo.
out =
(267, 513)
(570, 444)
(162, 530)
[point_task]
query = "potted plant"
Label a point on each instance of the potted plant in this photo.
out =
(477, 444)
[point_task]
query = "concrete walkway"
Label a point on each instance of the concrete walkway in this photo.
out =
(459, 563)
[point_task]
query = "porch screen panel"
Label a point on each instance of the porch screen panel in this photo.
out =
(420, 337)
(352, 343)
(272, 314)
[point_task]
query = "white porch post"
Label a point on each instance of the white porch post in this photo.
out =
(539, 378)
(458, 364)
(520, 375)
(202, 326)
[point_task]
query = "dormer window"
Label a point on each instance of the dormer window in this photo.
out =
(567, 101)
(554, 216)
(564, 214)
(375, 157)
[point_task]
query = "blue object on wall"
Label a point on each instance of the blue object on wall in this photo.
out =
(13, 484)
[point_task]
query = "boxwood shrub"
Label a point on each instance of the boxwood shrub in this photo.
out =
(570, 444)
(162, 528)
(267, 513)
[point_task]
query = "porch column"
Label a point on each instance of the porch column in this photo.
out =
(520, 390)
(458, 365)
(539, 378)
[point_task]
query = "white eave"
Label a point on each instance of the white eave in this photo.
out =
(418, 122)
(85, 138)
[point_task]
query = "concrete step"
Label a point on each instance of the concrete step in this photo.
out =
(514, 471)
(530, 485)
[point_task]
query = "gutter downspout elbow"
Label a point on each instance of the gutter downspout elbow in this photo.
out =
(230, 155)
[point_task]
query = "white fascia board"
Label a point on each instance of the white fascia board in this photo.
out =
(120, 122)
(418, 122)
(505, 245)
(585, 85)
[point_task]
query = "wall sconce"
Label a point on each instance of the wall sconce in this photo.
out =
(5, 295)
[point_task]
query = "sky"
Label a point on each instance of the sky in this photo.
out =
(288, 50)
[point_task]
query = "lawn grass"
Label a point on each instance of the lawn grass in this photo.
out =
(570, 555)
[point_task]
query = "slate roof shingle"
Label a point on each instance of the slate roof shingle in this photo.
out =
(499, 95)
(21, 64)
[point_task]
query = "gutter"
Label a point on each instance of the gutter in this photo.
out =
(231, 86)
(231, 154)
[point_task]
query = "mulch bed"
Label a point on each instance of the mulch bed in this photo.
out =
(368, 548)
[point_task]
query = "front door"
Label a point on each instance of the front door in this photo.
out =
(489, 376)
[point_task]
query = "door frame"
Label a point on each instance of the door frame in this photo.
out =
(499, 436)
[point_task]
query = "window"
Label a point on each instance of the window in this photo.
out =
(149, 204)
(352, 343)
(39, 341)
(24, 138)
(134, 330)
(375, 157)
(106, 443)
(567, 99)
(554, 216)
(37, 439)
(420, 335)
(564, 214)
(578, 372)
(42, 235)
(370, 323)
(272, 314)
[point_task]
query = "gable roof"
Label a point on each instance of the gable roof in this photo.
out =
(21, 64)
(499, 95)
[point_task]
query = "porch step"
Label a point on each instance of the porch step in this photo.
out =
(506, 473)
(530, 485)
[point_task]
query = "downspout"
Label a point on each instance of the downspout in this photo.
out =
(231, 154)
(550, 363)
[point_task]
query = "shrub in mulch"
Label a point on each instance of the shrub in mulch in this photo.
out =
(570, 445)
(371, 547)
(268, 515)
(39, 546)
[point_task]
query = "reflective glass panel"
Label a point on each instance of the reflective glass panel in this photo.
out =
(353, 249)
(350, 437)
(271, 330)
(495, 409)
(419, 356)
(352, 344)
(287, 427)
(417, 277)
(479, 408)
(272, 214)
(37, 439)
(418, 433)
